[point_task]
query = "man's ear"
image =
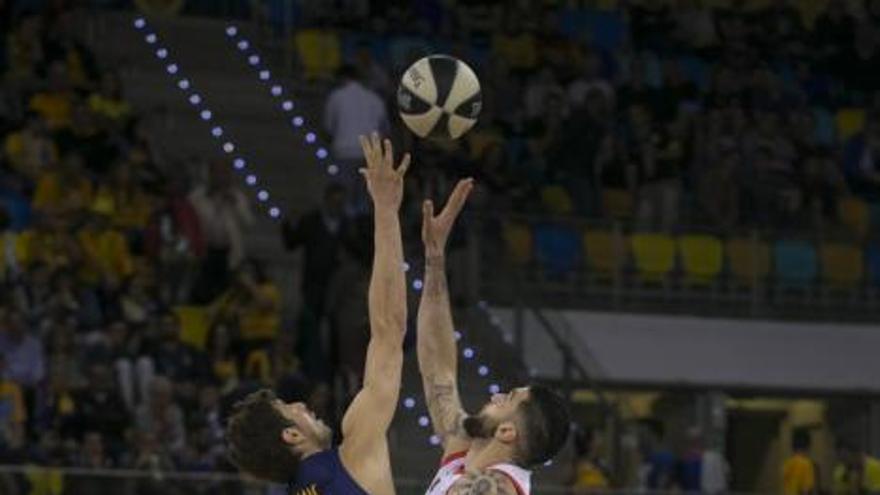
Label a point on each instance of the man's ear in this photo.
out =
(291, 436)
(507, 433)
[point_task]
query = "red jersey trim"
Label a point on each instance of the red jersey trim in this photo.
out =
(452, 457)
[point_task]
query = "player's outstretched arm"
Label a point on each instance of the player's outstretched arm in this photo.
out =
(372, 410)
(438, 358)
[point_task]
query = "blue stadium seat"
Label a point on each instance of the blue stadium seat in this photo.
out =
(607, 28)
(557, 249)
(825, 130)
(795, 263)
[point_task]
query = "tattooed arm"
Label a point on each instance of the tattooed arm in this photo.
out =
(483, 483)
(438, 357)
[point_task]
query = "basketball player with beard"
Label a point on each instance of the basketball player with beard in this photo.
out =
(491, 452)
(286, 443)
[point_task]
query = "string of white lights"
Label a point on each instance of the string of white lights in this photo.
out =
(278, 91)
(197, 100)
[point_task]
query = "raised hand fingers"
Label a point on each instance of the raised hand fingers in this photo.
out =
(404, 164)
(458, 198)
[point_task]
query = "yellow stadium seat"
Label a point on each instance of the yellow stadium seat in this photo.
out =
(604, 254)
(842, 265)
(749, 260)
(849, 122)
(654, 255)
(319, 52)
(194, 325)
(518, 240)
(557, 200)
(701, 257)
(618, 203)
(855, 214)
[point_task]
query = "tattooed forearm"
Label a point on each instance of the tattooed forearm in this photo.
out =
(489, 483)
(435, 277)
(445, 408)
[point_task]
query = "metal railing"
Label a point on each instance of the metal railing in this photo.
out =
(58, 480)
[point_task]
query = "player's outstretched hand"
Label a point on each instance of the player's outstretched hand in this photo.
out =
(384, 182)
(435, 229)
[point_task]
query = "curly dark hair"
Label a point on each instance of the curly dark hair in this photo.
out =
(253, 438)
(546, 419)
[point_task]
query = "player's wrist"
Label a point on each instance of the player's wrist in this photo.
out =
(435, 258)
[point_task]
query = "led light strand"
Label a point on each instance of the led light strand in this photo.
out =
(227, 145)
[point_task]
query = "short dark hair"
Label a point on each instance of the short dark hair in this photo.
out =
(253, 438)
(800, 439)
(349, 72)
(545, 422)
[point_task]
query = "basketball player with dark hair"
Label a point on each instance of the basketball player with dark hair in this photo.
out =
(286, 443)
(488, 453)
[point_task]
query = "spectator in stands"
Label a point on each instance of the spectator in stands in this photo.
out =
(22, 349)
(322, 234)
(374, 75)
(64, 189)
(658, 460)
(353, 110)
(862, 161)
(12, 410)
(108, 101)
(173, 238)
(176, 360)
(591, 474)
(799, 471)
(105, 252)
(30, 150)
(56, 103)
(861, 470)
(93, 456)
(96, 146)
(659, 155)
(162, 418)
(99, 406)
(223, 213)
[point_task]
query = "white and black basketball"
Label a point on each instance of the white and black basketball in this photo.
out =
(439, 97)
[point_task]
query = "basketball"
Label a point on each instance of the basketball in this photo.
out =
(439, 97)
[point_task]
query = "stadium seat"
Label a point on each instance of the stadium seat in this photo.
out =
(617, 203)
(842, 265)
(795, 263)
(556, 200)
(654, 255)
(872, 260)
(557, 249)
(748, 259)
(855, 214)
(194, 325)
(518, 242)
(825, 127)
(319, 52)
(604, 254)
(849, 122)
(701, 258)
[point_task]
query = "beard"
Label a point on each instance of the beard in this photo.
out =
(479, 426)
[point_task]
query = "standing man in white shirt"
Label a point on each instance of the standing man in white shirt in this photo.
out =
(353, 110)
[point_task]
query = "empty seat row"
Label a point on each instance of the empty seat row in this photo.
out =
(699, 259)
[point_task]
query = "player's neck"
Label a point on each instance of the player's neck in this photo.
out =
(487, 453)
(307, 452)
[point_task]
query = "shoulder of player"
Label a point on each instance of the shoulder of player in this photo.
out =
(488, 482)
(367, 465)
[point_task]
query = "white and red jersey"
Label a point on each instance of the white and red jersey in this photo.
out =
(452, 469)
